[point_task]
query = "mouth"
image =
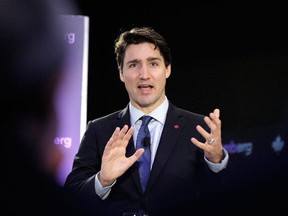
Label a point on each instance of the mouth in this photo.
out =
(145, 86)
(145, 89)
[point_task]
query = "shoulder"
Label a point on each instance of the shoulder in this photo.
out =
(110, 117)
(116, 119)
(180, 113)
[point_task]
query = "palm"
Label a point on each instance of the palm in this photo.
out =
(114, 160)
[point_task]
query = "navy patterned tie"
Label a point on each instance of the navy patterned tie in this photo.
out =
(143, 141)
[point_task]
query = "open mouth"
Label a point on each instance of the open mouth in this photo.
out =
(144, 86)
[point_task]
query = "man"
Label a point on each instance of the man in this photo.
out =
(186, 148)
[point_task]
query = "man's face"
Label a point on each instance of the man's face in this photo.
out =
(144, 75)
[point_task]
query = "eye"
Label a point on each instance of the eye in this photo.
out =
(132, 65)
(154, 64)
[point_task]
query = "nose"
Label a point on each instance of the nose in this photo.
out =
(144, 72)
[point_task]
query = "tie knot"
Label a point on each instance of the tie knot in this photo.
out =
(145, 120)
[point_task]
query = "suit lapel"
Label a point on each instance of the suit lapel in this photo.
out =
(124, 118)
(170, 134)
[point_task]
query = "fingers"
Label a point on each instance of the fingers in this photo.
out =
(203, 132)
(214, 123)
(128, 134)
(216, 113)
(120, 135)
(197, 143)
(138, 153)
(215, 116)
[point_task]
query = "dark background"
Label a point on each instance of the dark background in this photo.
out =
(232, 56)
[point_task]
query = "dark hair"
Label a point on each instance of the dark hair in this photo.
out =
(139, 35)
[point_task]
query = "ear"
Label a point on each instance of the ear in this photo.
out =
(121, 75)
(168, 71)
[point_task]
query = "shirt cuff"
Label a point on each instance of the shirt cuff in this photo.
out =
(217, 167)
(102, 192)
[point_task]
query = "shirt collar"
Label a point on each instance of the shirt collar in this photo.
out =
(158, 114)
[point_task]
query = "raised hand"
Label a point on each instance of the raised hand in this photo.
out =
(213, 148)
(114, 160)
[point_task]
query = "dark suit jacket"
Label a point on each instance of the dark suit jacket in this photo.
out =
(178, 176)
